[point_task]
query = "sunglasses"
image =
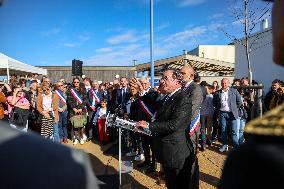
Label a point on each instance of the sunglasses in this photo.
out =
(45, 90)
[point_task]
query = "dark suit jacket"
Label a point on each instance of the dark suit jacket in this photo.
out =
(90, 98)
(39, 163)
(121, 100)
(73, 103)
(235, 101)
(136, 112)
(171, 145)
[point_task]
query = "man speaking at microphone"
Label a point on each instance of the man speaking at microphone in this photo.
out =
(172, 147)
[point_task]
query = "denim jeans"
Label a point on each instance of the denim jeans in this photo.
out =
(62, 124)
(242, 123)
(227, 119)
(56, 132)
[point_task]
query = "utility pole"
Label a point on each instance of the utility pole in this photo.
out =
(151, 42)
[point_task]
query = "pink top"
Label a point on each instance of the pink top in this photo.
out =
(19, 102)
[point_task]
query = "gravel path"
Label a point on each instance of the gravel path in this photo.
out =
(105, 165)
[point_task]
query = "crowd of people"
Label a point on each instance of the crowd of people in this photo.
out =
(78, 110)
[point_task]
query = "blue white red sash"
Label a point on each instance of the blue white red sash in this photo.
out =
(97, 99)
(149, 112)
(76, 96)
(194, 124)
(60, 95)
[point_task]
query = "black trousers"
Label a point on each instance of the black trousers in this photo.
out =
(182, 178)
(216, 133)
(147, 143)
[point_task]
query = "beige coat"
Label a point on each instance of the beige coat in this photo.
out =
(54, 106)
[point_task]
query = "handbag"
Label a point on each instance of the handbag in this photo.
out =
(78, 121)
(19, 117)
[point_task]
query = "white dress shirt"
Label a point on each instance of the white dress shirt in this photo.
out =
(225, 101)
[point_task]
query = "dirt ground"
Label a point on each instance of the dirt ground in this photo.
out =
(105, 165)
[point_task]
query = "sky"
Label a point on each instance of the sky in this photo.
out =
(113, 32)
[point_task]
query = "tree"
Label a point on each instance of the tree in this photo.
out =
(249, 14)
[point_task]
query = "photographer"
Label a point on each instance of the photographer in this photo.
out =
(47, 106)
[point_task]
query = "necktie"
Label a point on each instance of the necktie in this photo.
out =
(122, 95)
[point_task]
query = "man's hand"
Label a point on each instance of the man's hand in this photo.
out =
(136, 84)
(142, 125)
(126, 116)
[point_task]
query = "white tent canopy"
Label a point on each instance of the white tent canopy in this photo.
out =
(10, 66)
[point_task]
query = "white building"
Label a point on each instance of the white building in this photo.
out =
(263, 69)
(225, 53)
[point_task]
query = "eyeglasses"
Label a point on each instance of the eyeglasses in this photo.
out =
(45, 90)
(165, 78)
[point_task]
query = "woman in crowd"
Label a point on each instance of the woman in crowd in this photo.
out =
(4, 90)
(2, 102)
(243, 114)
(216, 133)
(60, 92)
(237, 82)
(34, 121)
(216, 86)
(206, 117)
(76, 100)
(100, 119)
(18, 109)
(135, 113)
(47, 106)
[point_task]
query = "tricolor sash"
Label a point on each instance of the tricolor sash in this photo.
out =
(60, 95)
(76, 95)
(97, 99)
(194, 124)
(147, 110)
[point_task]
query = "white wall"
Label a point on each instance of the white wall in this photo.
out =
(263, 68)
(224, 53)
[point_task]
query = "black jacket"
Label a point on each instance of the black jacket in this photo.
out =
(170, 130)
(136, 112)
(121, 100)
(73, 103)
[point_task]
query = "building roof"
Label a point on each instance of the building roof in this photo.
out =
(90, 68)
(203, 66)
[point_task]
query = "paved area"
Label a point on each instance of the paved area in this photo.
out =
(105, 165)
